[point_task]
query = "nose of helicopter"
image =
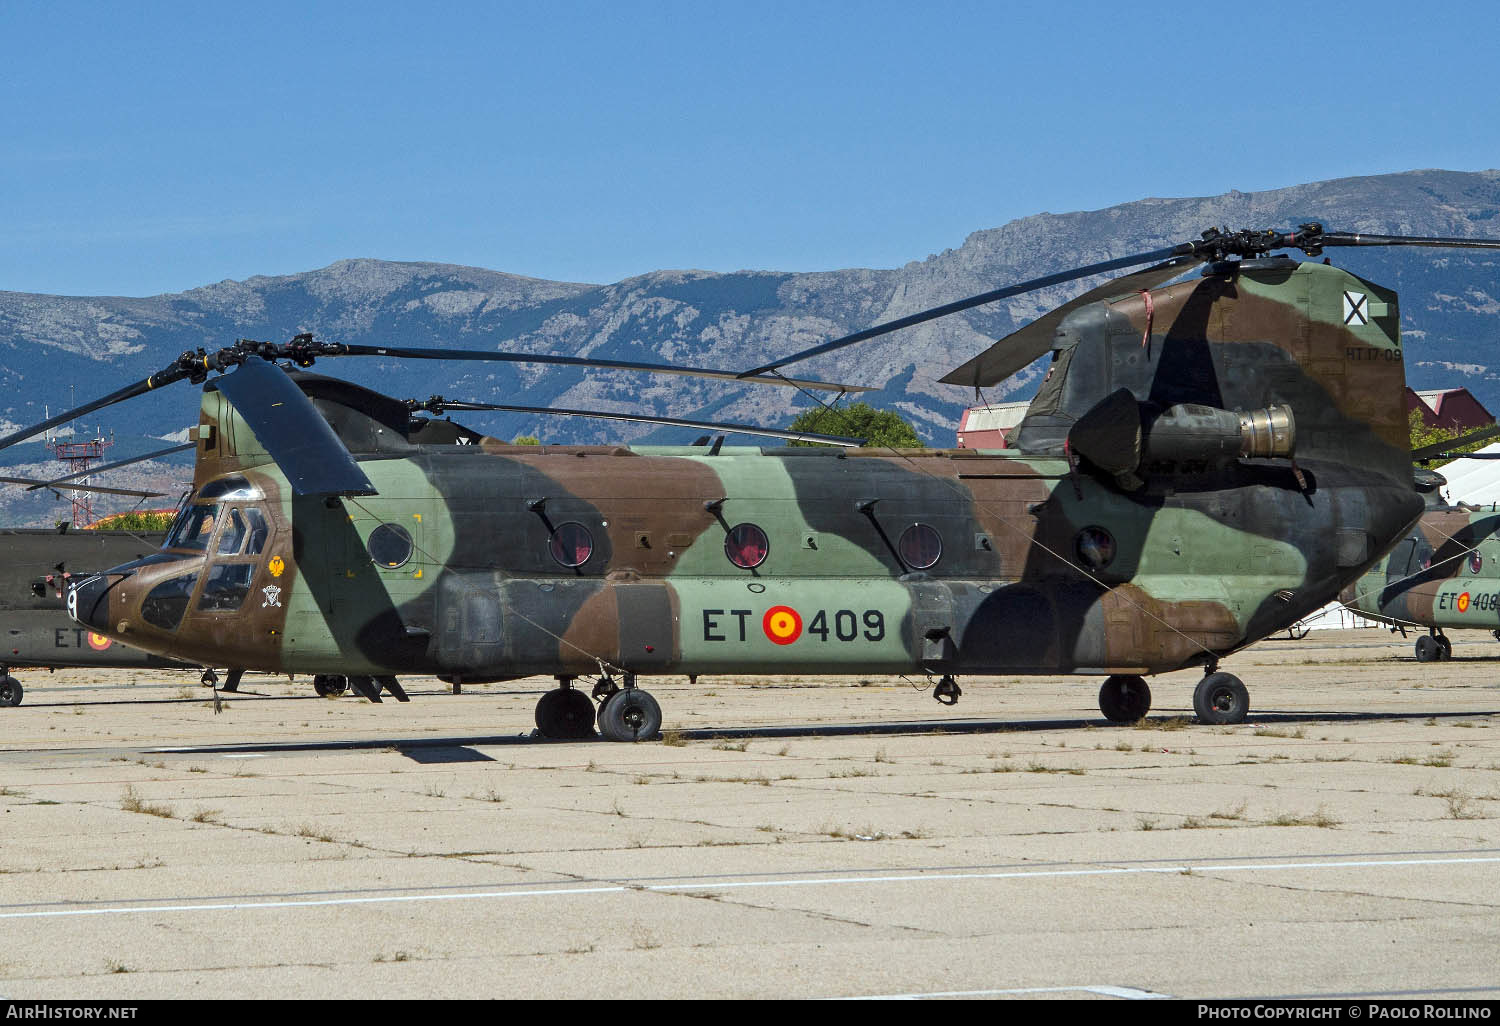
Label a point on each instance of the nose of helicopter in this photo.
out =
(88, 602)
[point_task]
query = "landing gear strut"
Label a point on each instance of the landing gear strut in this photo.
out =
(947, 690)
(1434, 647)
(1124, 698)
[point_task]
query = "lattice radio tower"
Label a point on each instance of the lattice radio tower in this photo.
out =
(78, 458)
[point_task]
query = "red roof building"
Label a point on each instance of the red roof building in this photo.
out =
(1451, 408)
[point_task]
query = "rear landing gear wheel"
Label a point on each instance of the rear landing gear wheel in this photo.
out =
(1124, 698)
(1428, 649)
(1221, 698)
(630, 715)
(565, 714)
(10, 691)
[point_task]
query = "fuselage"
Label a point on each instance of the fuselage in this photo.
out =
(488, 560)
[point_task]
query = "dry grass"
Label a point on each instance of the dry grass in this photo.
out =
(132, 802)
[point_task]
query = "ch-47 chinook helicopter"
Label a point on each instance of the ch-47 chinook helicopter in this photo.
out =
(1445, 574)
(1206, 462)
(37, 567)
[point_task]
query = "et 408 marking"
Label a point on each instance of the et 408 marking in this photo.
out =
(783, 625)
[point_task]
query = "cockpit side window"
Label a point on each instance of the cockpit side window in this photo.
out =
(233, 534)
(259, 531)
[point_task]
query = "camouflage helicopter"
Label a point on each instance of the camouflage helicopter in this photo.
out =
(1205, 463)
(36, 568)
(1445, 574)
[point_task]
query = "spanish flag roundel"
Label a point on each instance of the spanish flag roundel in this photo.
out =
(782, 624)
(1463, 603)
(98, 642)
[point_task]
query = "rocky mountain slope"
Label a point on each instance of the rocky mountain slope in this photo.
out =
(95, 344)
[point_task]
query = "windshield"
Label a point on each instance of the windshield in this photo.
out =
(191, 529)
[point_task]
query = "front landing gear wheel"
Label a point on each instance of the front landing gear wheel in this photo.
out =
(565, 714)
(1428, 649)
(10, 691)
(1221, 698)
(329, 685)
(630, 715)
(1445, 645)
(1124, 698)
(947, 690)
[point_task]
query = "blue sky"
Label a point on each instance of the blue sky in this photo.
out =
(151, 148)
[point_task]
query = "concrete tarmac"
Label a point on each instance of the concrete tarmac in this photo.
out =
(786, 839)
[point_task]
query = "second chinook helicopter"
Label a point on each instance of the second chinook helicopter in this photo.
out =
(1205, 463)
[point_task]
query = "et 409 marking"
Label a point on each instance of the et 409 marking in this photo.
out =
(783, 625)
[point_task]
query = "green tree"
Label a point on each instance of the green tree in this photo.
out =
(1422, 435)
(881, 429)
(526, 440)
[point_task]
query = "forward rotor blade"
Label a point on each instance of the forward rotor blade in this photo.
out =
(1026, 344)
(35, 484)
(292, 430)
(702, 425)
(585, 361)
(114, 466)
(985, 297)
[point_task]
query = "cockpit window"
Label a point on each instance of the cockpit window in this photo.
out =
(166, 603)
(233, 534)
(259, 532)
(192, 529)
(230, 489)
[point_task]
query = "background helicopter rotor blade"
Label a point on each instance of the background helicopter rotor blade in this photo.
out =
(34, 484)
(292, 430)
(585, 361)
(114, 466)
(437, 404)
(1028, 343)
(128, 392)
(1447, 449)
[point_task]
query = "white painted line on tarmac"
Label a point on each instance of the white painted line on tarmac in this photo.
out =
(723, 885)
(1128, 993)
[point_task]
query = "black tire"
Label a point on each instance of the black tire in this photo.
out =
(10, 691)
(1124, 698)
(1446, 646)
(1221, 698)
(565, 713)
(631, 715)
(329, 685)
(1428, 650)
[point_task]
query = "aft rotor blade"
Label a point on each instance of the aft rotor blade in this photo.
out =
(35, 484)
(114, 466)
(702, 425)
(588, 361)
(292, 430)
(1007, 292)
(1026, 344)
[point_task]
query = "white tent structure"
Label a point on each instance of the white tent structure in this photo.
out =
(1476, 482)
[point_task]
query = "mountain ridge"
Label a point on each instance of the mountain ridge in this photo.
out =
(737, 319)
